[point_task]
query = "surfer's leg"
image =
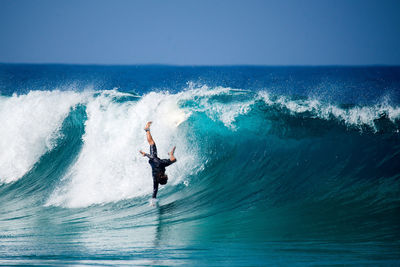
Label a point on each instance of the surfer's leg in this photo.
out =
(153, 150)
(148, 134)
(150, 138)
(171, 155)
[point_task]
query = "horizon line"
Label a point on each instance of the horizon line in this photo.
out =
(199, 65)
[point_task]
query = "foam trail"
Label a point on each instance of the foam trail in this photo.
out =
(109, 167)
(30, 125)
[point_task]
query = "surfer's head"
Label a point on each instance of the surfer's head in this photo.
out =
(163, 179)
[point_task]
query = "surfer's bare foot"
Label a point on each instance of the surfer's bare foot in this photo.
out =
(172, 151)
(171, 154)
(147, 127)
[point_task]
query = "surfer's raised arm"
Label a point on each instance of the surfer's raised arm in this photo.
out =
(144, 154)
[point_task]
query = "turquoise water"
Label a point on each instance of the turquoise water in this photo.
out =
(276, 166)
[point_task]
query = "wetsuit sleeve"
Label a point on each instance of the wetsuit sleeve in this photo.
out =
(167, 162)
(147, 155)
(155, 187)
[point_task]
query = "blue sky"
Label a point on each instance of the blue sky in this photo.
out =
(188, 32)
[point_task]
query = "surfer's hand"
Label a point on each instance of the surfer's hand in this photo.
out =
(141, 152)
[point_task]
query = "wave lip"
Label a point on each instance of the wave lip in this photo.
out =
(355, 116)
(30, 127)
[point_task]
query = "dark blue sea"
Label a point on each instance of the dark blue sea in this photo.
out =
(277, 166)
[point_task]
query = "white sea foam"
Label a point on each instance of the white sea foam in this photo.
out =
(217, 111)
(109, 167)
(227, 113)
(356, 116)
(29, 126)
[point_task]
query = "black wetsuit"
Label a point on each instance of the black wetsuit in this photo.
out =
(158, 167)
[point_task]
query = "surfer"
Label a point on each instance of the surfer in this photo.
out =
(157, 165)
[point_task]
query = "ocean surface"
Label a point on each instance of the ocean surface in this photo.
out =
(277, 166)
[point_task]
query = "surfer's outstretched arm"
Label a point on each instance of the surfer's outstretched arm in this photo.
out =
(155, 187)
(148, 134)
(144, 154)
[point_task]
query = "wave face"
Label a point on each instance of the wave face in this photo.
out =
(260, 177)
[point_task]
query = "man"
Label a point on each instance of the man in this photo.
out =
(157, 165)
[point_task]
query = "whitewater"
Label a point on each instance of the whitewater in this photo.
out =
(265, 175)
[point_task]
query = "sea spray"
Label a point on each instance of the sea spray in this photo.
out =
(29, 127)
